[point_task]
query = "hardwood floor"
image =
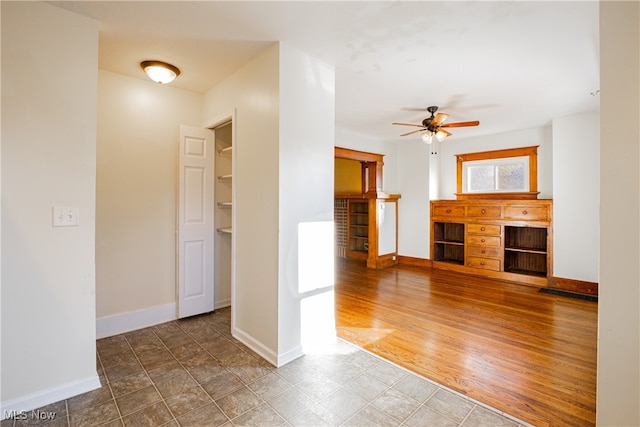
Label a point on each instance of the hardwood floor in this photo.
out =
(529, 354)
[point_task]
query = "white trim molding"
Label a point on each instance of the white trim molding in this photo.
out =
(126, 322)
(277, 360)
(19, 406)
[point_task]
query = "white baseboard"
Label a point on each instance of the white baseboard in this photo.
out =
(255, 345)
(269, 355)
(14, 407)
(290, 356)
(126, 322)
(222, 304)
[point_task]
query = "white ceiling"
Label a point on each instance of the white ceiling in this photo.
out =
(510, 64)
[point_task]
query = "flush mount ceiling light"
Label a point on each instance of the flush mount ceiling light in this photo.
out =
(160, 72)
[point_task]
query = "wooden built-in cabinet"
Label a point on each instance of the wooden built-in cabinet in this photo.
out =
(372, 229)
(503, 239)
(371, 223)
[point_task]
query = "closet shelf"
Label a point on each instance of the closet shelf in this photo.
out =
(225, 151)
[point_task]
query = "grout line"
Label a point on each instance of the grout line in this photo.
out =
(198, 382)
(108, 384)
(146, 372)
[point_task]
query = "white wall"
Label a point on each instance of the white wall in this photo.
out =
(253, 91)
(413, 208)
(523, 138)
(618, 390)
(136, 194)
(49, 87)
(576, 196)
(306, 160)
(283, 176)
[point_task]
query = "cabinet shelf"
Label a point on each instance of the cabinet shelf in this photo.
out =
(526, 250)
(455, 261)
(450, 242)
(526, 272)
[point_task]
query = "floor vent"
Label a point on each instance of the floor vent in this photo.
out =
(569, 294)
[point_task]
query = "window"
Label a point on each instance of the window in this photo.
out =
(493, 174)
(500, 175)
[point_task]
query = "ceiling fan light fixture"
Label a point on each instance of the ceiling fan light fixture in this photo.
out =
(440, 135)
(160, 72)
(427, 137)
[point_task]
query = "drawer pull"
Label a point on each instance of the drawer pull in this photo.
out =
(483, 251)
(482, 240)
(482, 228)
(482, 263)
(448, 210)
(483, 211)
(524, 212)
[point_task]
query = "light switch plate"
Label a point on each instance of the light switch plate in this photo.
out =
(65, 216)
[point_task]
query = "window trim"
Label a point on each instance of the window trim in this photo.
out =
(530, 152)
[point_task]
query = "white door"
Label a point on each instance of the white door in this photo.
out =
(195, 222)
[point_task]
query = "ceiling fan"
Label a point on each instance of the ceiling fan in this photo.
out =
(433, 126)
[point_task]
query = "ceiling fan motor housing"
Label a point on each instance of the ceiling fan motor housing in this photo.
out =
(427, 122)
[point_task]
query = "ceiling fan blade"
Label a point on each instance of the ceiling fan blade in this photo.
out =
(414, 108)
(461, 124)
(414, 131)
(444, 131)
(407, 124)
(439, 118)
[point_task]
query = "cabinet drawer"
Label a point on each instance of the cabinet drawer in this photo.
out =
(484, 211)
(481, 251)
(483, 241)
(448, 210)
(487, 230)
(484, 263)
(527, 212)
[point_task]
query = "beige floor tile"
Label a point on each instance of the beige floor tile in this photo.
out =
(91, 398)
(130, 383)
(187, 401)
(192, 373)
(238, 402)
(150, 416)
(94, 415)
(137, 400)
(206, 416)
(176, 384)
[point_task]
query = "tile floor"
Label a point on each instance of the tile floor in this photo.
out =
(193, 373)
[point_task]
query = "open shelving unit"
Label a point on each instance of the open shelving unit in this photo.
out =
(358, 230)
(448, 242)
(223, 196)
(525, 250)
